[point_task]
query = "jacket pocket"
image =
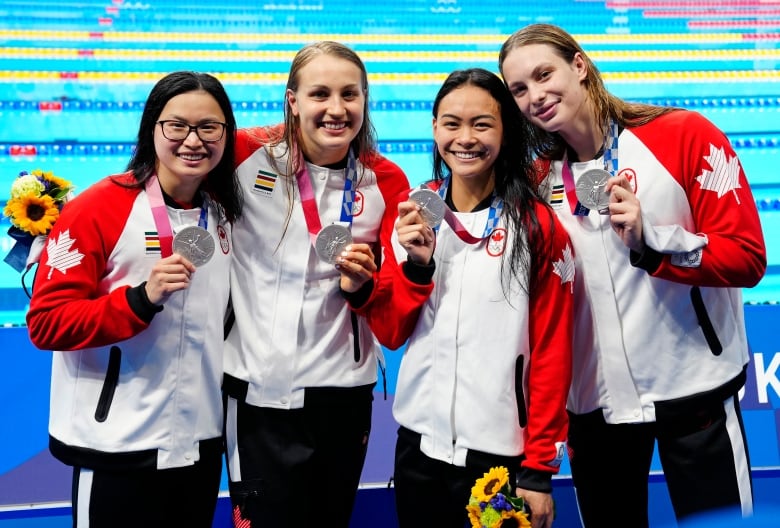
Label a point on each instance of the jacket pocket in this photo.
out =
(109, 384)
(704, 322)
(519, 393)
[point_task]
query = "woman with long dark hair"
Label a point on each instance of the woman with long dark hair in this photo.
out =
(484, 299)
(131, 292)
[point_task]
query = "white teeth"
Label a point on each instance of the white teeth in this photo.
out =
(192, 157)
(334, 126)
(467, 155)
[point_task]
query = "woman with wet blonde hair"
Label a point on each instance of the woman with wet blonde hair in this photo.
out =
(666, 233)
(300, 366)
(604, 104)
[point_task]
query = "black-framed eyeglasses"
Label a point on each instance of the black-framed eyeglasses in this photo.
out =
(209, 132)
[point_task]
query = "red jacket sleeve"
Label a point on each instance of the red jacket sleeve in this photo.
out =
(550, 339)
(248, 140)
(69, 309)
(393, 308)
(395, 302)
(722, 204)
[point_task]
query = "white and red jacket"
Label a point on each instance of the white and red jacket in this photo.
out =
(668, 323)
(126, 392)
(293, 328)
(484, 369)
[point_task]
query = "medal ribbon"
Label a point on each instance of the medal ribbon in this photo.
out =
(610, 165)
(310, 211)
(160, 214)
(449, 216)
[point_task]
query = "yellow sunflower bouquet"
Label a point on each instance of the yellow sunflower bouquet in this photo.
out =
(493, 505)
(33, 207)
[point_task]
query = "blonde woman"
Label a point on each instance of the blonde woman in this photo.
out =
(300, 365)
(666, 234)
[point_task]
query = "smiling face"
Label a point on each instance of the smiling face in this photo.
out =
(468, 132)
(328, 104)
(548, 90)
(183, 165)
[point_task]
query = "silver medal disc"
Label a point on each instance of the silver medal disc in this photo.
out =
(331, 241)
(195, 244)
(590, 189)
(432, 207)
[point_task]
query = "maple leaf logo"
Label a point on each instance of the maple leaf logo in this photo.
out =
(724, 176)
(60, 255)
(496, 242)
(357, 204)
(564, 267)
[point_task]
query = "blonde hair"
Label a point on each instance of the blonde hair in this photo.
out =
(604, 104)
(364, 145)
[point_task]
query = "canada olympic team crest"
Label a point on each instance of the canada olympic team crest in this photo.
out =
(224, 243)
(357, 205)
(630, 176)
(496, 242)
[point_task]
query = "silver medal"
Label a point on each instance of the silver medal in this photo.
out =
(590, 190)
(432, 207)
(195, 244)
(331, 241)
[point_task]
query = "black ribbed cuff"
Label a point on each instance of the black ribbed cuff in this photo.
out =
(419, 273)
(532, 479)
(140, 304)
(648, 260)
(358, 298)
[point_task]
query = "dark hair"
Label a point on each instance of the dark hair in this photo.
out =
(605, 105)
(221, 183)
(513, 173)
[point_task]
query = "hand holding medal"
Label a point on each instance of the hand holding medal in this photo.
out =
(418, 219)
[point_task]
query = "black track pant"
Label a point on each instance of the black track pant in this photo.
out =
(148, 498)
(702, 449)
(298, 467)
(433, 494)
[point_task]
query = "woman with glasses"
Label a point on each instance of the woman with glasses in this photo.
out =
(300, 366)
(131, 293)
